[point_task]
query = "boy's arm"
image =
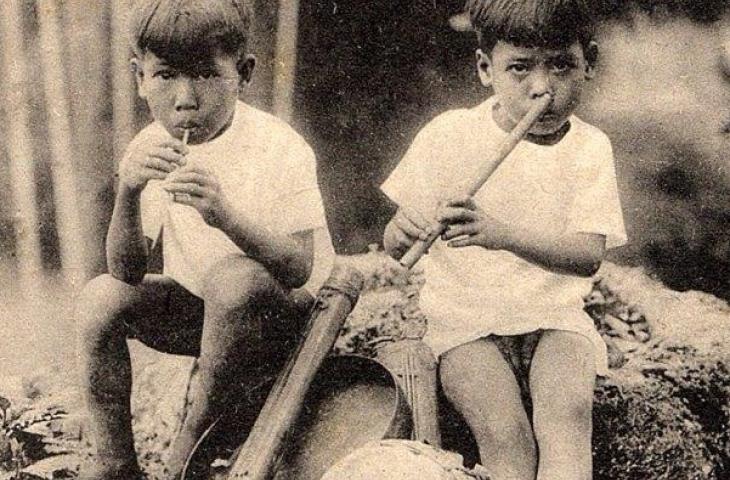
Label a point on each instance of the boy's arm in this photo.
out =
(573, 253)
(126, 245)
(288, 258)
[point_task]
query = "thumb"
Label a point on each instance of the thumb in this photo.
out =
(462, 242)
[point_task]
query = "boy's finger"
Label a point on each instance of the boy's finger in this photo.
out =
(416, 218)
(189, 188)
(186, 199)
(403, 240)
(187, 176)
(176, 145)
(450, 215)
(464, 201)
(461, 242)
(168, 155)
(459, 230)
(407, 227)
(154, 174)
(156, 163)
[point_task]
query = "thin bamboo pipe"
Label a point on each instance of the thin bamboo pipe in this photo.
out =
(285, 58)
(20, 147)
(420, 247)
(71, 228)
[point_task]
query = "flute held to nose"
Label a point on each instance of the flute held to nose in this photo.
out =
(505, 148)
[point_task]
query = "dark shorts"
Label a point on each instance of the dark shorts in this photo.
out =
(181, 333)
(518, 350)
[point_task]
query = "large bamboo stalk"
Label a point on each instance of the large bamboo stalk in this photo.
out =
(123, 89)
(86, 27)
(20, 144)
(71, 228)
(285, 58)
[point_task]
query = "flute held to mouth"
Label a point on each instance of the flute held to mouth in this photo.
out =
(183, 196)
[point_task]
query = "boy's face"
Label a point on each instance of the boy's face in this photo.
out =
(519, 75)
(199, 98)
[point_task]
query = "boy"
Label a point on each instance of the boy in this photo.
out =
(504, 290)
(235, 212)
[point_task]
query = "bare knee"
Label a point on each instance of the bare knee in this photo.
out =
(237, 282)
(495, 417)
(100, 306)
(563, 422)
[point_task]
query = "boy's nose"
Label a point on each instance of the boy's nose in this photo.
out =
(185, 95)
(540, 84)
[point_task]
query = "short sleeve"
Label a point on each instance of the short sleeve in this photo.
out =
(415, 182)
(298, 202)
(596, 206)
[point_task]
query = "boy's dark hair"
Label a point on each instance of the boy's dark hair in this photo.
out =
(186, 33)
(532, 23)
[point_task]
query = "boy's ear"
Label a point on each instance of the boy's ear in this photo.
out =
(484, 68)
(245, 65)
(591, 56)
(136, 66)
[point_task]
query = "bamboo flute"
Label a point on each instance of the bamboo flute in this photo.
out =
(505, 148)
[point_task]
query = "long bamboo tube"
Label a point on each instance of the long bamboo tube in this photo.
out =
(71, 229)
(285, 58)
(19, 147)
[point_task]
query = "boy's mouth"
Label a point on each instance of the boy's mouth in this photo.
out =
(547, 117)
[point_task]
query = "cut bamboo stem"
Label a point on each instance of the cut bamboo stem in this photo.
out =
(71, 231)
(19, 147)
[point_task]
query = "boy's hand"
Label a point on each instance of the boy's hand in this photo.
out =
(469, 225)
(152, 161)
(199, 188)
(403, 230)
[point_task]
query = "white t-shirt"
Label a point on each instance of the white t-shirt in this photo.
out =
(472, 292)
(266, 170)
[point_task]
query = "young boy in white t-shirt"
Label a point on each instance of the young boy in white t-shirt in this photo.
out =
(235, 211)
(503, 292)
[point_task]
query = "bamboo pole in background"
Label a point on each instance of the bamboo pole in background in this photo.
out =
(285, 58)
(71, 229)
(123, 89)
(85, 32)
(19, 148)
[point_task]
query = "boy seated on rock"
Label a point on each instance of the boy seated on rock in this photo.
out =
(503, 292)
(235, 210)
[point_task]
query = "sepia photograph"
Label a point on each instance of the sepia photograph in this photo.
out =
(365, 239)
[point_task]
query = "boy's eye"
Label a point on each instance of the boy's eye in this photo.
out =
(518, 68)
(562, 66)
(207, 74)
(166, 74)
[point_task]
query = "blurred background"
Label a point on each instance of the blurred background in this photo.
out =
(358, 80)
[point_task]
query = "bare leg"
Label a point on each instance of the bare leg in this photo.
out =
(562, 379)
(244, 309)
(105, 310)
(480, 384)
